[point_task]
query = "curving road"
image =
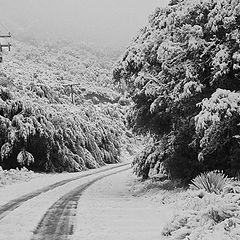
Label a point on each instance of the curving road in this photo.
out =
(56, 221)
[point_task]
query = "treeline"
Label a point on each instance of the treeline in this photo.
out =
(56, 137)
(183, 74)
(40, 127)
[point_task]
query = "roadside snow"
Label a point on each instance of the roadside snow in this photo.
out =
(108, 210)
(8, 177)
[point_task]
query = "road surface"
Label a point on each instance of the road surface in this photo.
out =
(91, 205)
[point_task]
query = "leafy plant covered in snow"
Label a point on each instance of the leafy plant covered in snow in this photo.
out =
(183, 74)
(206, 216)
(212, 182)
(217, 127)
(40, 127)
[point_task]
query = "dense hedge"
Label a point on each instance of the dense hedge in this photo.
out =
(183, 73)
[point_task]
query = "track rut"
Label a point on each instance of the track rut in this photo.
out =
(58, 221)
(15, 203)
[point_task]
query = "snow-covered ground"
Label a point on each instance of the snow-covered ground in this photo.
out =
(11, 191)
(8, 177)
(20, 223)
(108, 210)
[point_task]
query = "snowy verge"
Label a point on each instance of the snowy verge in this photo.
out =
(8, 177)
(198, 215)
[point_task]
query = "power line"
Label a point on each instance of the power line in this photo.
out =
(4, 28)
(2, 46)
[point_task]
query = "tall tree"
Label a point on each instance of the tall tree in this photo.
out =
(188, 51)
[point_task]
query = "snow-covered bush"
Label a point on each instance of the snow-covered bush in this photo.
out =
(212, 182)
(206, 216)
(188, 51)
(15, 175)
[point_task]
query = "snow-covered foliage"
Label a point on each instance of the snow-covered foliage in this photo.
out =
(216, 123)
(206, 216)
(187, 52)
(223, 104)
(59, 136)
(212, 182)
(40, 127)
(16, 175)
(43, 66)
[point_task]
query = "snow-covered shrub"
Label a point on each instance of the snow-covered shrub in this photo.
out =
(204, 216)
(143, 162)
(25, 158)
(212, 182)
(16, 175)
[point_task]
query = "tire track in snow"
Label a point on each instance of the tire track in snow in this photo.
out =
(15, 203)
(58, 221)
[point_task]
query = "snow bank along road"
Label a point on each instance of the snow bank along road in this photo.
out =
(47, 212)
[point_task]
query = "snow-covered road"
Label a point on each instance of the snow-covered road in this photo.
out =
(97, 206)
(107, 210)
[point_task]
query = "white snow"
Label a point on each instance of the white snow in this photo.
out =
(10, 192)
(107, 210)
(20, 223)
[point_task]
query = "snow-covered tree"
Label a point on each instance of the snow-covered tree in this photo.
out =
(187, 51)
(40, 127)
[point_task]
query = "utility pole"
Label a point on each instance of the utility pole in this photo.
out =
(72, 90)
(8, 45)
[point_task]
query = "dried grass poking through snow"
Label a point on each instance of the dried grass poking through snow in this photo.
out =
(11, 176)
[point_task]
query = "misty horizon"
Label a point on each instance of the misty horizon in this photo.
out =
(107, 23)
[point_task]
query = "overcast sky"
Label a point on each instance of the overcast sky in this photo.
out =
(111, 23)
